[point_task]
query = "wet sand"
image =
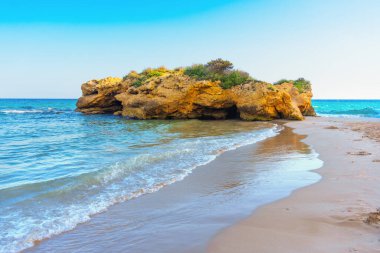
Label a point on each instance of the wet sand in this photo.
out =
(338, 214)
(185, 216)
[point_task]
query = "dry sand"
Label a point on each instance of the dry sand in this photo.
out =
(337, 214)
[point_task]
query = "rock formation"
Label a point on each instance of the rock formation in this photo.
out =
(166, 94)
(98, 96)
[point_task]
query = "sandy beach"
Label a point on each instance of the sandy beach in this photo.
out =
(337, 214)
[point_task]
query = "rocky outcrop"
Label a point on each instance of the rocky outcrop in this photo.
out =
(301, 99)
(173, 95)
(263, 101)
(176, 97)
(98, 96)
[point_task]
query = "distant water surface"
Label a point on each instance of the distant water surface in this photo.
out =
(347, 108)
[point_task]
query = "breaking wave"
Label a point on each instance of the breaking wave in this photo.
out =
(33, 111)
(69, 201)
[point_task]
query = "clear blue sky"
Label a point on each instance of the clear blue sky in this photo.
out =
(48, 48)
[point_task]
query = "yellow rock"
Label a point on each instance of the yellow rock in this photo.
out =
(164, 94)
(99, 96)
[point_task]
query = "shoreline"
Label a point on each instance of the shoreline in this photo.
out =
(213, 197)
(249, 225)
(332, 215)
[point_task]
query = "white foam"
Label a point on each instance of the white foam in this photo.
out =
(21, 111)
(339, 115)
(142, 174)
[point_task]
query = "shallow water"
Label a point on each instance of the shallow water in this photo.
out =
(58, 168)
(183, 217)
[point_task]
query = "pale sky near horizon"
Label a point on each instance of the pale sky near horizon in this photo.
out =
(48, 48)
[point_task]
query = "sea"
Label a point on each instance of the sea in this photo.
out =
(347, 108)
(60, 169)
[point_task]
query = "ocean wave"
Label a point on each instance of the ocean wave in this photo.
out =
(364, 112)
(340, 115)
(20, 111)
(33, 111)
(70, 201)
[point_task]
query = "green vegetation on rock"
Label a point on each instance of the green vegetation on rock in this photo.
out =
(197, 71)
(282, 81)
(301, 84)
(218, 70)
(235, 77)
(138, 79)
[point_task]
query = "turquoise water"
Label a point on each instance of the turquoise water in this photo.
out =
(348, 108)
(59, 167)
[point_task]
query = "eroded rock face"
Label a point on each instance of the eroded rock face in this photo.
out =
(98, 96)
(262, 101)
(177, 96)
(302, 100)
